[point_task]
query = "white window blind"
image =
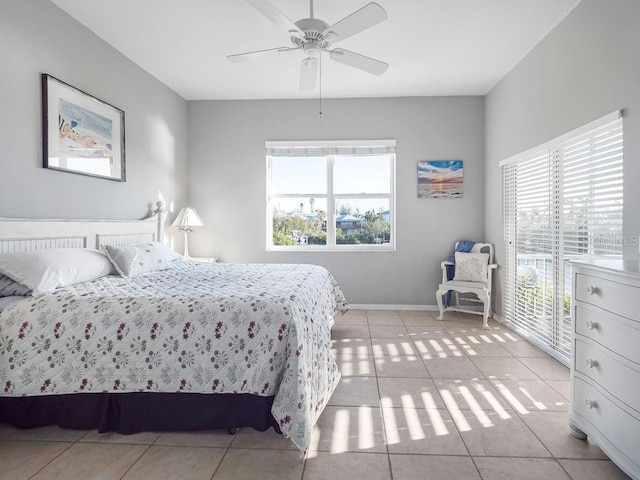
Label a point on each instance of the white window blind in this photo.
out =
(561, 201)
(321, 149)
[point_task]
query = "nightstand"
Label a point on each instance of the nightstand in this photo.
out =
(204, 259)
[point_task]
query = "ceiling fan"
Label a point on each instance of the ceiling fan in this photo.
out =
(312, 36)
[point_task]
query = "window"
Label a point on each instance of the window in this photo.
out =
(561, 201)
(337, 195)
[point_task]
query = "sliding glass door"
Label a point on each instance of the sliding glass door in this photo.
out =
(561, 201)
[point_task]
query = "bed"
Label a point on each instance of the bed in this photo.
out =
(189, 346)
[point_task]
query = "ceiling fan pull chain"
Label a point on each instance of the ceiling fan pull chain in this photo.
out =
(320, 63)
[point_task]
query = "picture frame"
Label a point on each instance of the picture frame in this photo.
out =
(440, 179)
(81, 134)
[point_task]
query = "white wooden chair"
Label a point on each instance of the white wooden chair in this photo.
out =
(480, 285)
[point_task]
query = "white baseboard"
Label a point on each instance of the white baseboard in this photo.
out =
(427, 308)
(372, 306)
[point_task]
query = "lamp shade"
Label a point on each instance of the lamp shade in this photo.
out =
(188, 218)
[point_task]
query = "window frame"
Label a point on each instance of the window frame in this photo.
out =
(382, 147)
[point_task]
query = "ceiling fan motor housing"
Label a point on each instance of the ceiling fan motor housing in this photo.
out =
(314, 40)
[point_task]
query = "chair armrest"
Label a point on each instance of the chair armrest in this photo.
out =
(443, 266)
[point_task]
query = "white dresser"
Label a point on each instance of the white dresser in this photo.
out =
(605, 368)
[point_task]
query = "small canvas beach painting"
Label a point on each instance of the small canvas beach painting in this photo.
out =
(440, 179)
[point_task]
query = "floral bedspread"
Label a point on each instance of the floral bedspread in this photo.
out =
(202, 328)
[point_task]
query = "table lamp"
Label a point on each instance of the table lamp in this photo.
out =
(185, 221)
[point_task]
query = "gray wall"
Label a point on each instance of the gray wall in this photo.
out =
(227, 184)
(586, 67)
(37, 37)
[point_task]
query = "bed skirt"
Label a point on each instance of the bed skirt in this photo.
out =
(129, 413)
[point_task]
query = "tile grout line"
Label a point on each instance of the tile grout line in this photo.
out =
(213, 475)
(556, 390)
(138, 459)
(53, 459)
(453, 421)
(384, 429)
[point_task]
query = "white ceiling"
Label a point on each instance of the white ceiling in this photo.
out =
(433, 47)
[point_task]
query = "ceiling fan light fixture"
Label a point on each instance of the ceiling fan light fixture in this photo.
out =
(312, 49)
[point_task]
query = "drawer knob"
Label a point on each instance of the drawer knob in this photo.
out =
(592, 290)
(592, 325)
(591, 403)
(591, 363)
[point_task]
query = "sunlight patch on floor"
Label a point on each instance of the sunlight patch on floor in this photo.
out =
(439, 427)
(365, 428)
(460, 420)
(498, 338)
(493, 401)
(454, 349)
(428, 400)
(515, 403)
(537, 404)
(411, 415)
(482, 417)
(407, 348)
(391, 426)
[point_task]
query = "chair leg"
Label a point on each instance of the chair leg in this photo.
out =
(487, 308)
(439, 295)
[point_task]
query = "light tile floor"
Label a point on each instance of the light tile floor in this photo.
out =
(419, 399)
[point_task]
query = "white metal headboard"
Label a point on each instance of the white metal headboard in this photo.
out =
(23, 235)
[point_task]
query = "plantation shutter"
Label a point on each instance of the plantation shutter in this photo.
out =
(561, 201)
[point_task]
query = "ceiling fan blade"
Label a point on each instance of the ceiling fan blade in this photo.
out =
(308, 73)
(266, 8)
(376, 67)
(360, 20)
(244, 57)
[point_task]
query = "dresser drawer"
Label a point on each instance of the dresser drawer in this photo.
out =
(612, 422)
(612, 296)
(613, 332)
(620, 380)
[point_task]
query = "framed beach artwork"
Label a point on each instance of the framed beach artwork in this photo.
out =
(440, 179)
(81, 134)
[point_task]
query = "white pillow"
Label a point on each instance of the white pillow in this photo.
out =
(471, 267)
(45, 270)
(131, 260)
(168, 252)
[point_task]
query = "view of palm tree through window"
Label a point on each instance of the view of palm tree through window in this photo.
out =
(307, 224)
(331, 200)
